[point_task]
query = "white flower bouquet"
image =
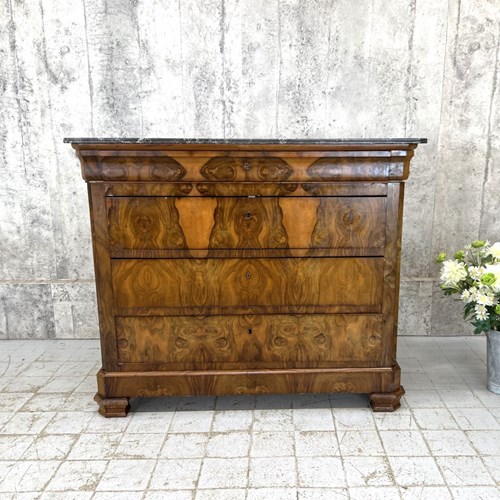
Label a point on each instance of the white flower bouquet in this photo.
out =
(474, 273)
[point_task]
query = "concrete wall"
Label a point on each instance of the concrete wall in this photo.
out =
(240, 68)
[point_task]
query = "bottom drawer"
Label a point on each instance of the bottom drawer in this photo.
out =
(238, 342)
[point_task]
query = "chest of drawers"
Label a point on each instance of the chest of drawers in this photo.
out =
(246, 267)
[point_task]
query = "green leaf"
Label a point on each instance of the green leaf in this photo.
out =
(468, 308)
(481, 326)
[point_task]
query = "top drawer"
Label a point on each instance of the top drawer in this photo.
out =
(295, 226)
(235, 165)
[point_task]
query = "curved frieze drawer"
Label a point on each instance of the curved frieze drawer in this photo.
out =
(178, 166)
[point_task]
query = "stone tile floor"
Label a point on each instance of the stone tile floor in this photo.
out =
(443, 443)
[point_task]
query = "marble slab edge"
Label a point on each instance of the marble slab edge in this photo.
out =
(319, 142)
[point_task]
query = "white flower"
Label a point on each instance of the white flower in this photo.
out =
(481, 312)
(485, 299)
(494, 269)
(494, 250)
(476, 272)
(453, 272)
(466, 296)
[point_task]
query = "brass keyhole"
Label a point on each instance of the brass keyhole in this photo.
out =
(247, 215)
(246, 166)
(248, 275)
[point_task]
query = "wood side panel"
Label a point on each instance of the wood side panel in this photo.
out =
(102, 267)
(391, 268)
(169, 223)
(247, 282)
(250, 341)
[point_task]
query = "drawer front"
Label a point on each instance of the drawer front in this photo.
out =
(149, 224)
(259, 341)
(245, 166)
(354, 285)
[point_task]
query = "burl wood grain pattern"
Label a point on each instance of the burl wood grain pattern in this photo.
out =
(246, 269)
(246, 169)
(353, 169)
(128, 168)
(248, 223)
(233, 283)
(250, 341)
(144, 223)
(350, 223)
(150, 164)
(310, 223)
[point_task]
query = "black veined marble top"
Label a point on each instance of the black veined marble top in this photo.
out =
(324, 142)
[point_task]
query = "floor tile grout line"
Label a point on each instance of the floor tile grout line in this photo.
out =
(295, 457)
(386, 456)
(342, 462)
(480, 455)
(250, 446)
(148, 485)
(202, 461)
(55, 473)
(430, 451)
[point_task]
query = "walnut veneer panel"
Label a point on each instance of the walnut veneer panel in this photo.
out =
(251, 267)
(235, 167)
(246, 223)
(251, 341)
(176, 283)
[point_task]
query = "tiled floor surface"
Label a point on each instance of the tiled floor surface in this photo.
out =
(443, 443)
